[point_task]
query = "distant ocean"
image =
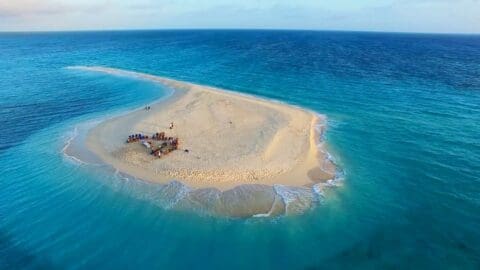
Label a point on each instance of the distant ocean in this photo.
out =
(403, 125)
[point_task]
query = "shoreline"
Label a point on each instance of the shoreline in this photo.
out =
(295, 168)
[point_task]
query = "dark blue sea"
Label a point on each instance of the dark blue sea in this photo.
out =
(403, 125)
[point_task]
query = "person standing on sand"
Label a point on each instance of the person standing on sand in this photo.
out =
(171, 125)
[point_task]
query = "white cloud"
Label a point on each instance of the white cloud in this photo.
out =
(30, 7)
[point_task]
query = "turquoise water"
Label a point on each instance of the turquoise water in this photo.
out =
(404, 114)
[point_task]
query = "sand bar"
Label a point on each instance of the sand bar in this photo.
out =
(233, 139)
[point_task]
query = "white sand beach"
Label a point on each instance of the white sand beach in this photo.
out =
(232, 139)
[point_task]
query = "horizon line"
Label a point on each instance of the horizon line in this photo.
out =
(237, 29)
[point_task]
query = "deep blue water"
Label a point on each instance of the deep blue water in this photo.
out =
(404, 124)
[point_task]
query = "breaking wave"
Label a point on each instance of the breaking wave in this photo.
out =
(242, 201)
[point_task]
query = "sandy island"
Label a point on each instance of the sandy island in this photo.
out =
(233, 139)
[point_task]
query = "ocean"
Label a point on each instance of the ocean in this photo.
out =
(403, 127)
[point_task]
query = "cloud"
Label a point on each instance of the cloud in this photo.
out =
(28, 8)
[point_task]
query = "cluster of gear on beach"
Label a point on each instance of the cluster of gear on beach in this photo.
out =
(159, 144)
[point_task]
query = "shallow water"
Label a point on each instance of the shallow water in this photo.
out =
(403, 123)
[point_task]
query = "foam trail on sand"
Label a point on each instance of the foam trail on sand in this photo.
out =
(67, 144)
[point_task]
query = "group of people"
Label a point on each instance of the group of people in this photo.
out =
(168, 144)
(159, 136)
(136, 137)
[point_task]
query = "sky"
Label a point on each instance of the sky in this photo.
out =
(437, 16)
